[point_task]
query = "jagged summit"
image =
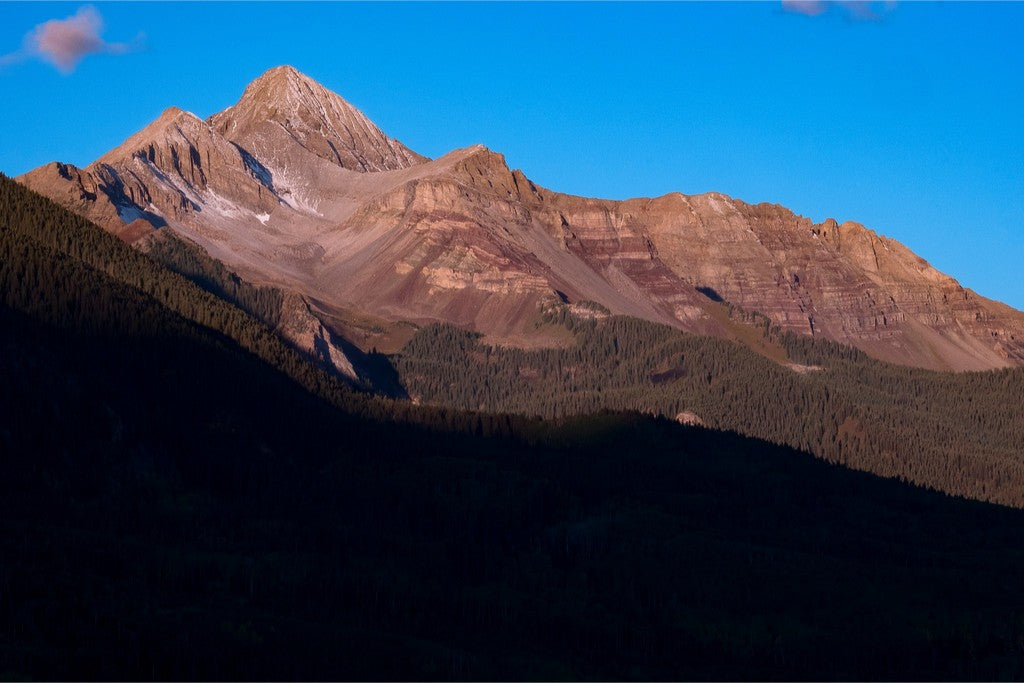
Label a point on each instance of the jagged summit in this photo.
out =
(173, 122)
(284, 106)
(171, 112)
(282, 89)
(283, 71)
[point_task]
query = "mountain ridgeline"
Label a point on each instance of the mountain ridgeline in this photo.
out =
(294, 187)
(183, 496)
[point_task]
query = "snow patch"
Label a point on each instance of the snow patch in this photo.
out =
(288, 190)
(263, 218)
(224, 207)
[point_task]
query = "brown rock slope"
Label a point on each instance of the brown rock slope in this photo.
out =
(293, 186)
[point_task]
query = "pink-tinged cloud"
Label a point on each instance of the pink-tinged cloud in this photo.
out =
(65, 42)
(855, 9)
(811, 8)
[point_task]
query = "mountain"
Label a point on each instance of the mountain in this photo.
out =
(294, 188)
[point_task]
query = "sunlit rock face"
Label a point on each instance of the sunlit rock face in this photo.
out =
(293, 186)
(283, 111)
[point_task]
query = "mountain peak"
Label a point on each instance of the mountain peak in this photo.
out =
(173, 123)
(286, 70)
(274, 83)
(284, 106)
(178, 117)
(170, 113)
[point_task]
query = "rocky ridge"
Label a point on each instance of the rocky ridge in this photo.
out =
(294, 187)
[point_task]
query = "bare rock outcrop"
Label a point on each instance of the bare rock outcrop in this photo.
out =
(690, 419)
(300, 327)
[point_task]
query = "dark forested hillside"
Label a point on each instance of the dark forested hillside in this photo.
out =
(183, 498)
(191, 261)
(960, 433)
(60, 268)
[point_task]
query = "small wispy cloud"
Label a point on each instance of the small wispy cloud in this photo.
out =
(811, 8)
(863, 10)
(65, 42)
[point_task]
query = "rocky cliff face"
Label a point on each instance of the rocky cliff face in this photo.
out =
(294, 187)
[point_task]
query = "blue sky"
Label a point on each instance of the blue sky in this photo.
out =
(910, 121)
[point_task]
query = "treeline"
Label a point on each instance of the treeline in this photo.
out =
(958, 433)
(800, 348)
(189, 260)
